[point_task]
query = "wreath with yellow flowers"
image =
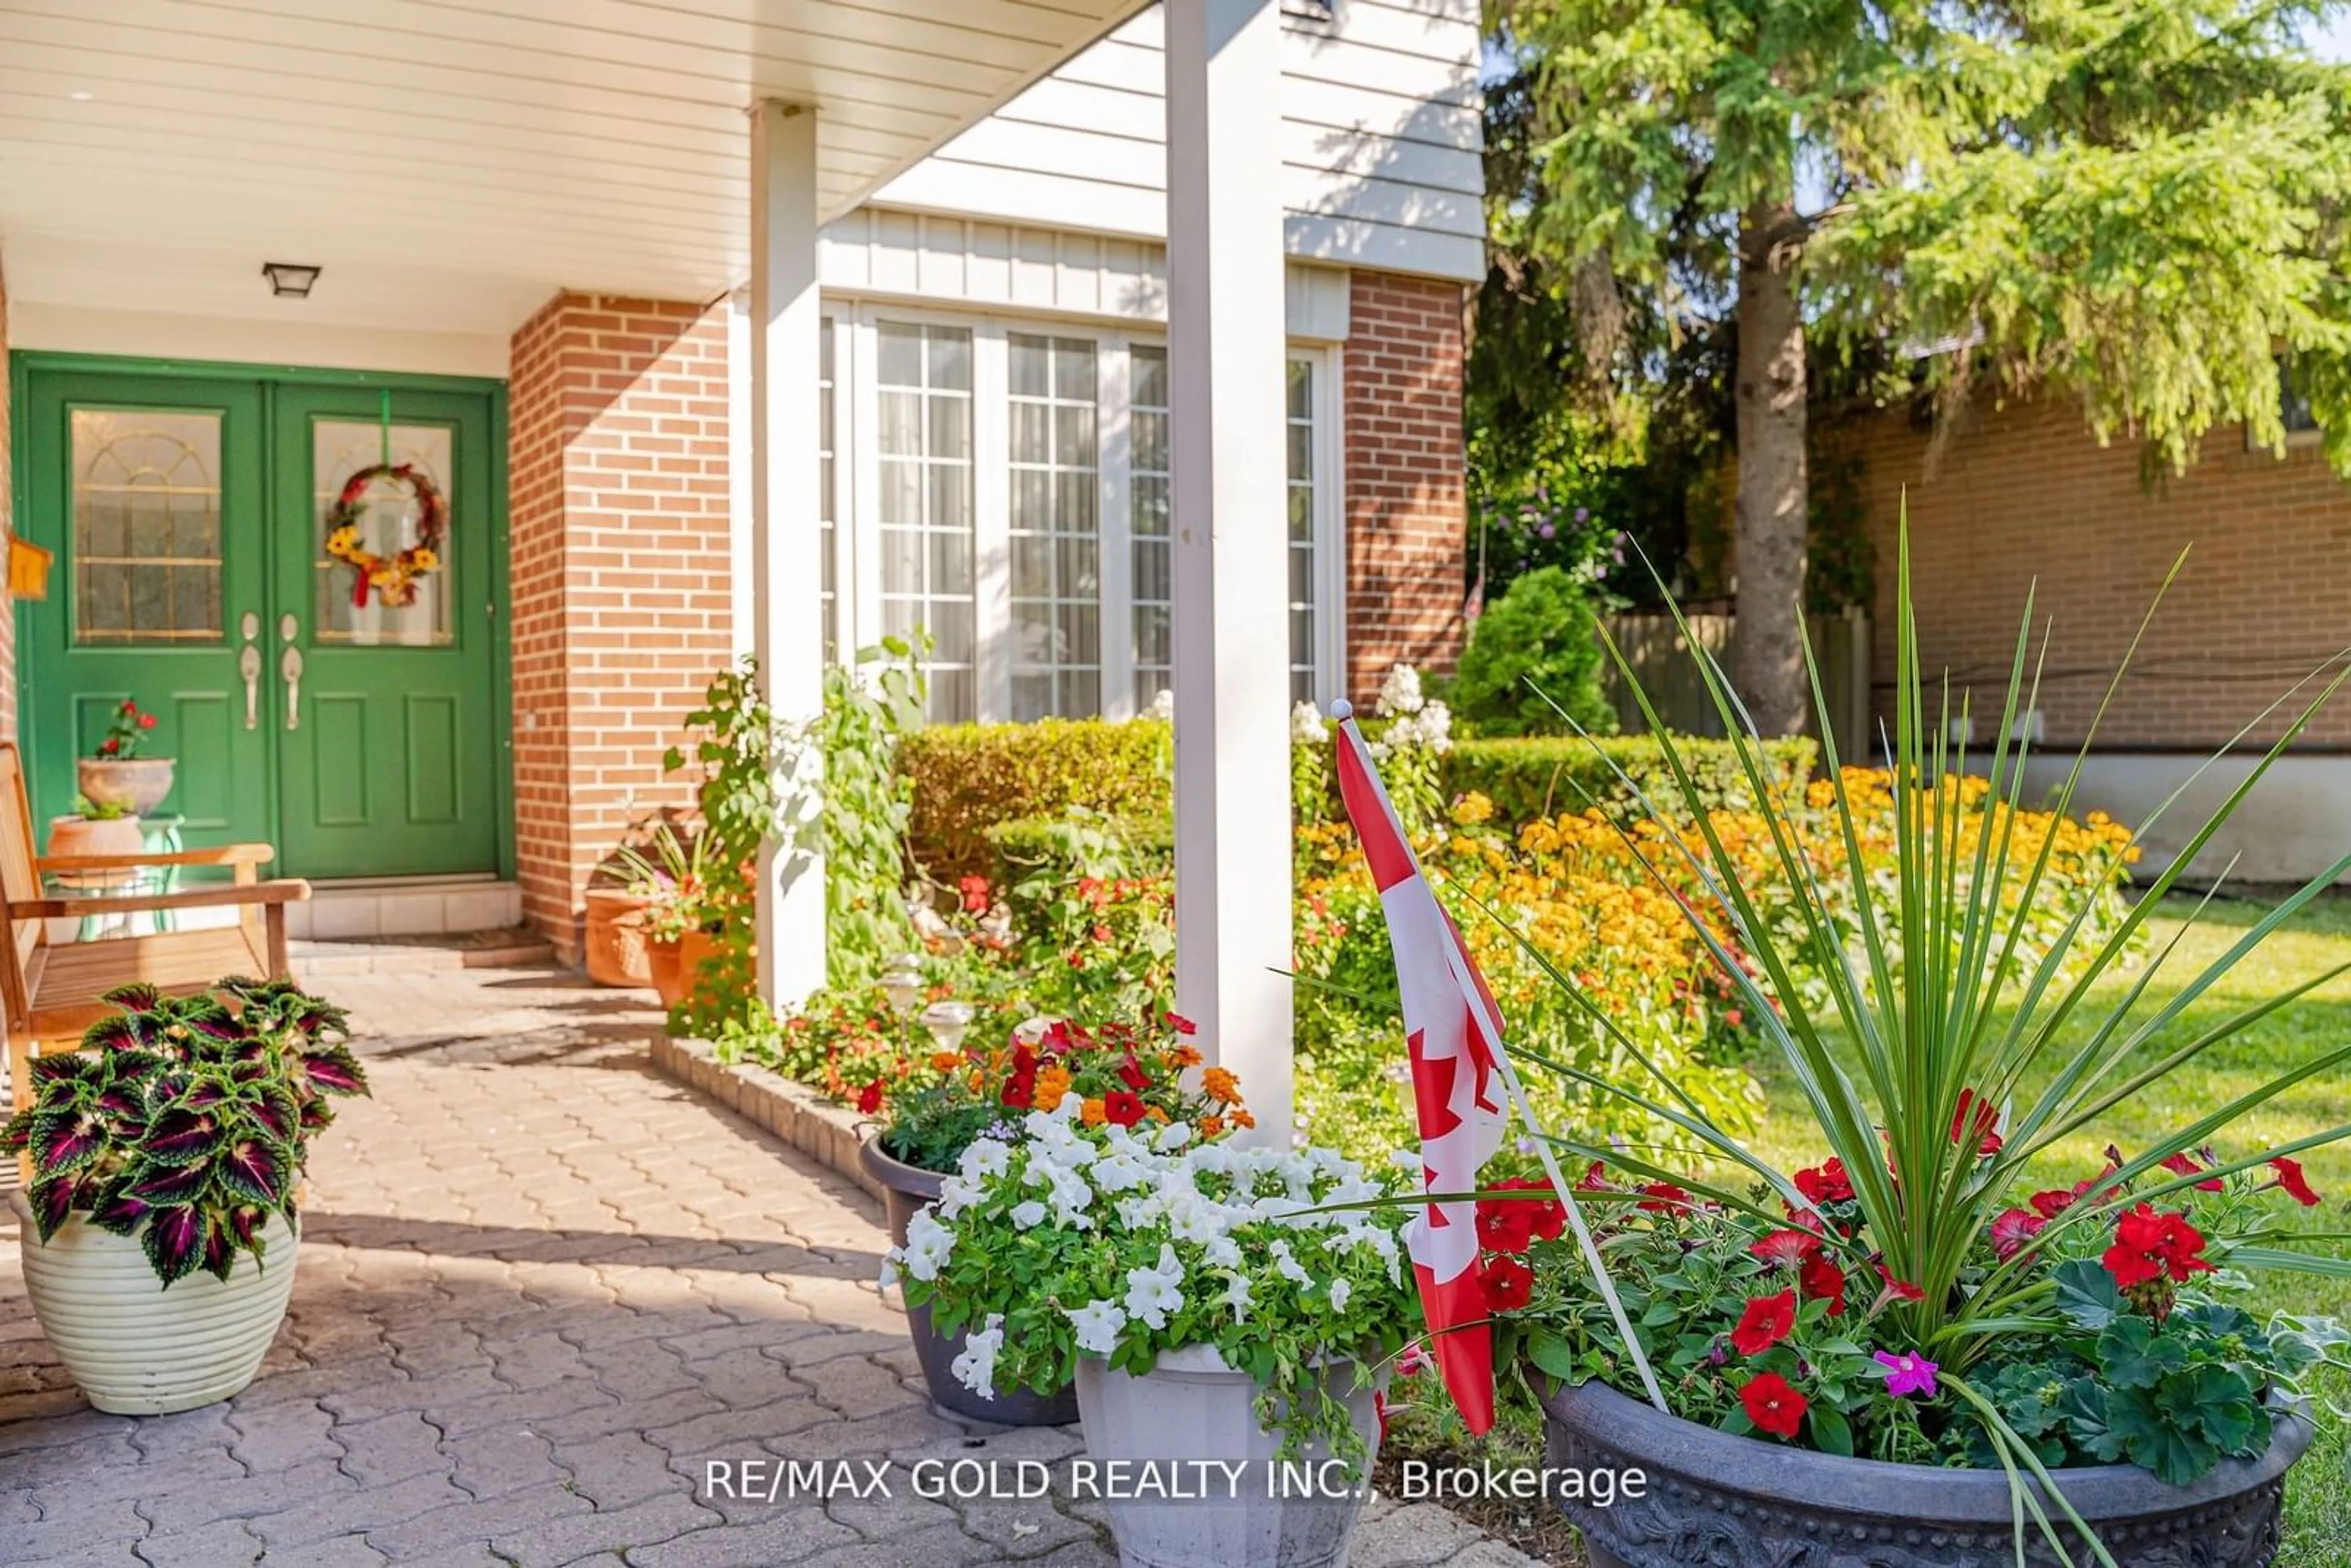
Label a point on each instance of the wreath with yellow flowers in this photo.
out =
(393, 577)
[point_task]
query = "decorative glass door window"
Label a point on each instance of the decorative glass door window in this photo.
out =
(1009, 485)
(1055, 528)
(146, 526)
(924, 438)
(388, 525)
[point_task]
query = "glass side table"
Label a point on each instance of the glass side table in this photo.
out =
(162, 836)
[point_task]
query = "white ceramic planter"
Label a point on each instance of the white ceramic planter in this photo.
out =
(135, 1348)
(1192, 1406)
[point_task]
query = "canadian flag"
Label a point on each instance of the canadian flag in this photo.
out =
(1453, 1033)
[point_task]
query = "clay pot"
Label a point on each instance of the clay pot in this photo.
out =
(136, 784)
(96, 836)
(617, 950)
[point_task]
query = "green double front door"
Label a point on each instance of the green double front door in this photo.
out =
(187, 514)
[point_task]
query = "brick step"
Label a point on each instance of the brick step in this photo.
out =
(507, 949)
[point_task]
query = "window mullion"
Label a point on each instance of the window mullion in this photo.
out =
(1117, 568)
(992, 502)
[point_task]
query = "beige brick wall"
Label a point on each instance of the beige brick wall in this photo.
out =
(2024, 496)
(618, 514)
(1405, 488)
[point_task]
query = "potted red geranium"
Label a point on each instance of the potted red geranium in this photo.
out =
(1938, 1343)
(117, 777)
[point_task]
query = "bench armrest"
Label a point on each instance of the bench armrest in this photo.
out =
(224, 854)
(285, 890)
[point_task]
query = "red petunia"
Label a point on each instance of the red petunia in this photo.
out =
(2297, 1187)
(1826, 1184)
(2012, 1228)
(1773, 1403)
(1130, 1073)
(108, 747)
(1507, 1283)
(146, 721)
(1662, 1196)
(869, 1099)
(1766, 1321)
(1594, 1179)
(1021, 1089)
(1504, 1226)
(1900, 1289)
(2149, 1246)
(1822, 1281)
(1787, 1248)
(1979, 1119)
(1181, 1024)
(1122, 1109)
(2181, 1164)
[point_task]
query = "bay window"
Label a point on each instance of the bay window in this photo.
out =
(1005, 488)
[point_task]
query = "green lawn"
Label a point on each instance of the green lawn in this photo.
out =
(2318, 1501)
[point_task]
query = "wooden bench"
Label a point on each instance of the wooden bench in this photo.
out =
(50, 992)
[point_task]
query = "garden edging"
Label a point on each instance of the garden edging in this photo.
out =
(826, 1133)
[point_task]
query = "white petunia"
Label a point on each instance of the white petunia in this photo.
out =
(983, 1160)
(928, 1245)
(1153, 1293)
(1340, 1290)
(975, 1367)
(1171, 1137)
(1224, 1252)
(1029, 1216)
(1098, 1325)
(1285, 1263)
(1237, 1296)
(889, 1275)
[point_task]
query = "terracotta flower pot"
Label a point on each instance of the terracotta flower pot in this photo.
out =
(136, 1348)
(663, 965)
(615, 943)
(96, 836)
(138, 785)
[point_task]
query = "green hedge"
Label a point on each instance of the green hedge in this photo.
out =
(1546, 774)
(969, 778)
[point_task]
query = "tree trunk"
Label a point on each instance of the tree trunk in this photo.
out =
(1770, 537)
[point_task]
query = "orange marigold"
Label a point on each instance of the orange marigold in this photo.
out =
(1240, 1118)
(1184, 1056)
(1219, 1084)
(1092, 1113)
(1211, 1126)
(945, 1060)
(1053, 1086)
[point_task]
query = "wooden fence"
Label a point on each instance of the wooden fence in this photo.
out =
(1661, 662)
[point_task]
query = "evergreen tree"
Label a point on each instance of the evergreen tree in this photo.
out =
(2135, 204)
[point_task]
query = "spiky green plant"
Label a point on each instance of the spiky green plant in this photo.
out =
(1932, 1018)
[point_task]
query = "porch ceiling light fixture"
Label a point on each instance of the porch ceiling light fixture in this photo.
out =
(290, 280)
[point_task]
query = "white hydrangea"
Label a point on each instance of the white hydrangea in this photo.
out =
(975, 1367)
(1306, 726)
(1153, 1293)
(1400, 693)
(1098, 1325)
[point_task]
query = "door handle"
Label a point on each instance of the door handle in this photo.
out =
(248, 664)
(290, 668)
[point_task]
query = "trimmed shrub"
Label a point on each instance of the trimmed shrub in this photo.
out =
(1537, 777)
(1532, 647)
(969, 778)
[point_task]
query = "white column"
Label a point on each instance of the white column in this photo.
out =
(1225, 327)
(787, 612)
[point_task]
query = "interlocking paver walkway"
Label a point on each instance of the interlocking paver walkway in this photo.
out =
(539, 1291)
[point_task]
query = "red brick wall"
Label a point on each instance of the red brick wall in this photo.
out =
(7, 522)
(1406, 522)
(2024, 496)
(618, 514)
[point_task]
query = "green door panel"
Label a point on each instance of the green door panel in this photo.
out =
(185, 508)
(390, 741)
(151, 490)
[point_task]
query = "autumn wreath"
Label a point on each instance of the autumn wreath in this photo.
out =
(393, 577)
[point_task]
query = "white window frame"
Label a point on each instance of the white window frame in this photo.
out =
(857, 476)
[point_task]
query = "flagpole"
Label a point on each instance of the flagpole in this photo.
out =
(1488, 1024)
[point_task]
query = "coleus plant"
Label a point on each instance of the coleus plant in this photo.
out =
(185, 1121)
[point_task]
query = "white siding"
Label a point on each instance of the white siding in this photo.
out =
(1380, 149)
(876, 253)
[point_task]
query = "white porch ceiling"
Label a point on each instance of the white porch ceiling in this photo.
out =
(451, 163)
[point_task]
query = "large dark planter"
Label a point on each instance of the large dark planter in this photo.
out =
(906, 1188)
(1724, 1501)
